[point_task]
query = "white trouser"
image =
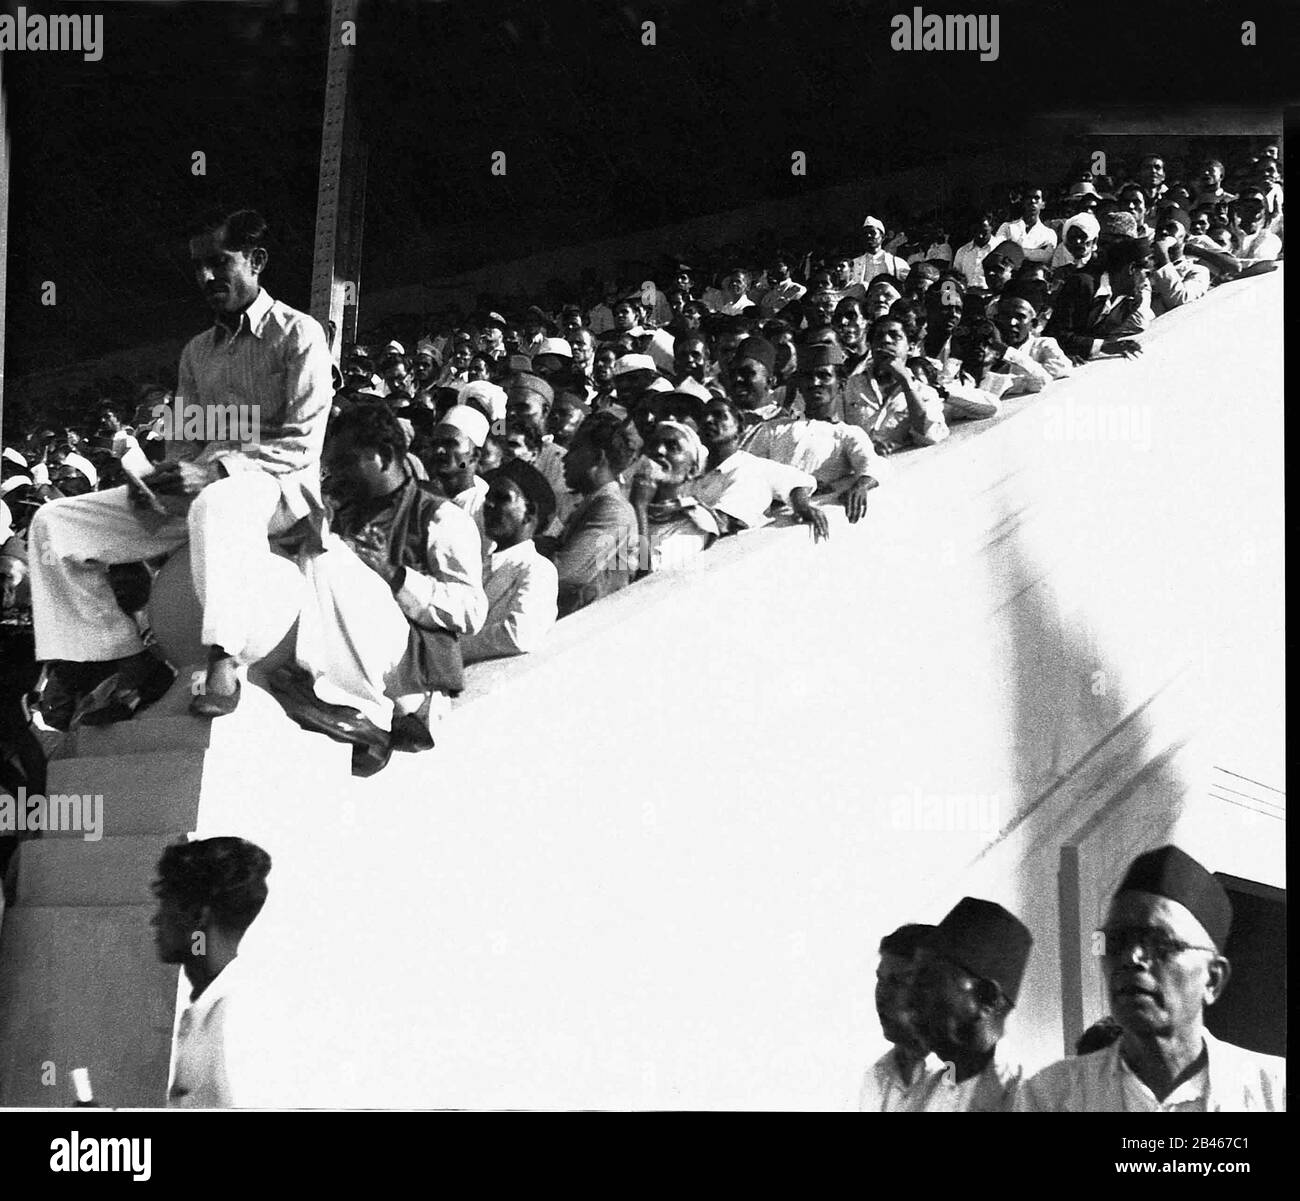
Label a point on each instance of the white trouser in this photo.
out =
(73, 540)
(352, 634)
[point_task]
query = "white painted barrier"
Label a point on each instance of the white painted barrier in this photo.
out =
(648, 866)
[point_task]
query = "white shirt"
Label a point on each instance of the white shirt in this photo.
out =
(867, 266)
(969, 260)
(522, 587)
(1233, 1080)
(1037, 242)
(1254, 247)
(471, 500)
(994, 1090)
(201, 1077)
(829, 451)
(885, 415)
(778, 296)
(885, 1091)
(744, 486)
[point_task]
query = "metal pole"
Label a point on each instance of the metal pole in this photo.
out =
(327, 288)
(4, 232)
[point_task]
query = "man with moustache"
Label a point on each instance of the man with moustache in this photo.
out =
(750, 380)
(888, 1083)
(740, 487)
(221, 497)
(965, 985)
(520, 584)
(839, 456)
(1162, 957)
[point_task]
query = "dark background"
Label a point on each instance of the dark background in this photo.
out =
(604, 136)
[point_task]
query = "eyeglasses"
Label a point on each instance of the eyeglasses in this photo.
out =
(1156, 946)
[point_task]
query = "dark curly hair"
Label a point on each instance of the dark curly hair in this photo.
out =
(374, 427)
(227, 875)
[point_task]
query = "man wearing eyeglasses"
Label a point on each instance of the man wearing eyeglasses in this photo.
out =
(1162, 956)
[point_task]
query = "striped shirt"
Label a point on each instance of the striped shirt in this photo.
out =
(275, 372)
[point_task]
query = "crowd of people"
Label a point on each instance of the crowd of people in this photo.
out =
(449, 497)
(945, 995)
(446, 499)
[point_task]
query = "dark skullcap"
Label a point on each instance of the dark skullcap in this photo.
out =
(906, 940)
(1174, 874)
(1013, 252)
(820, 354)
(985, 940)
(518, 364)
(758, 349)
(527, 382)
(1119, 223)
(1032, 291)
(532, 483)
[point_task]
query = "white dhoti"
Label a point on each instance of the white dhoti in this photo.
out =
(73, 540)
(352, 635)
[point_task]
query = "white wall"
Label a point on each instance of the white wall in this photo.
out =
(649, 865)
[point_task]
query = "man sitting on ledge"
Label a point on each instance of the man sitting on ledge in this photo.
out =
(399, 582)
(222, 497)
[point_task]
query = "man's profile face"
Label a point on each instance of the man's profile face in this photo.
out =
(523, 404)
(451, 454)
(516, 447)
(505, 511)
(947, 1011)
(889, 341)
(850, 326)
(1201, 223)
(1153, 995)
(880, 298)
(1078, 241)
(748, 383)
(667, 447)
(822, 304)
(563, 421)
(997, 271)
(840, 270)
(602, 366)
(690, 357)
(580, 461)
(819, 388)
(173, 930)
(1015, 320)
(1151, 174)
(1136, 202)
(353, 470)
(719, 423)
(227, 278)
(893, 982)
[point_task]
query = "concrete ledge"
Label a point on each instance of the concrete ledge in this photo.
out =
(64, 871)
(82, 988)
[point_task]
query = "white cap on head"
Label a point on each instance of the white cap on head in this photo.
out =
(557, 346)
(493, 395)
(876, 222)
(84, 465)
(659, 384)
(469, 421)
(14, 481)
(14, 456)
(634, 362)
(695, 388)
